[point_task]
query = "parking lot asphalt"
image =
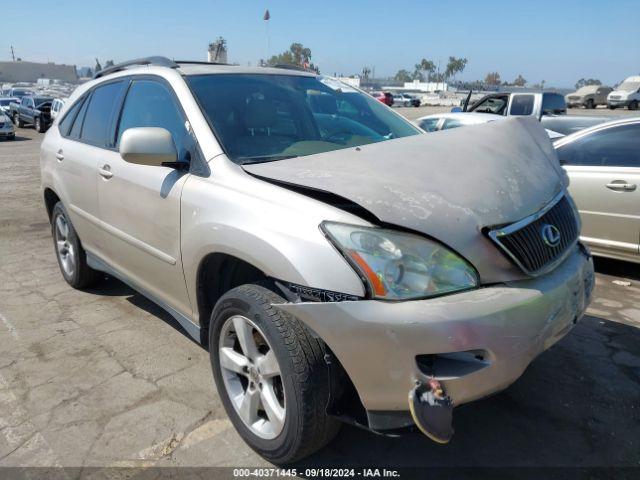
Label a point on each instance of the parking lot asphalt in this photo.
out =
(106, 378)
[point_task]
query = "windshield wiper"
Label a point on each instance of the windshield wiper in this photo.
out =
(266, 158)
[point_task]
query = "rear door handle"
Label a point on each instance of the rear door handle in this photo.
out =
(59, 155)
(621, 185)
(105, 172)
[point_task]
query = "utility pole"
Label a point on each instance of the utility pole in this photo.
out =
(13, 55)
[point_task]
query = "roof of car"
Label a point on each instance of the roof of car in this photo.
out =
(475, 117)
(204, 69)
(600, 126)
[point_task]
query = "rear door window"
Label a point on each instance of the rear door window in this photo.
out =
(97, 128)
(77, 123)
(522, 105)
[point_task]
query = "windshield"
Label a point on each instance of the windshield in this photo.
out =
(587, 89)
(260, 118)
(629, 86)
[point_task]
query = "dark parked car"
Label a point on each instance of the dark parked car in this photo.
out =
(33, 110)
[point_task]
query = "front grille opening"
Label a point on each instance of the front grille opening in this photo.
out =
(526, 246)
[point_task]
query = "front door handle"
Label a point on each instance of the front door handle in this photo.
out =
(105, 172)
(621, 185)
(59, 155)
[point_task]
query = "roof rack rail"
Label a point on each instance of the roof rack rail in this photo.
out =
(199, 62)
(160, 61)
(288, 66)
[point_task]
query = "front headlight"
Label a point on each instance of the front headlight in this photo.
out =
(400, 266)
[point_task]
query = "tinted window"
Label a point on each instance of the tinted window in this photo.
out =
(553, 104)
(451, 123)
(613, 147)
(98, 119)
(429, 124)
(67, 121)
(522, 105)
(151, 104)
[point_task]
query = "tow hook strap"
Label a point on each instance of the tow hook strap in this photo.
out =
(432, 410)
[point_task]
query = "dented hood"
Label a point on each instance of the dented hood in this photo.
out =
(448, 185)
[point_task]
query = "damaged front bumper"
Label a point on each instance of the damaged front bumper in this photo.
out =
(475, 343)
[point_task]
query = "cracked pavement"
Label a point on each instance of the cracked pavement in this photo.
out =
(106, 378)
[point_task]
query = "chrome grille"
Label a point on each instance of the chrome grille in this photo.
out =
(524, 241)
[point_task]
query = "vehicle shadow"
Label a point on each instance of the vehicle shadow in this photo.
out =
(113, 287)
(617, 268)
(17, 139)
(575, 406)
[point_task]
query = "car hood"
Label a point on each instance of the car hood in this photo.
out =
(620, 93)
(449, 185)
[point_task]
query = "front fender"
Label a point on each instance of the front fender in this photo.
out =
(271, 228)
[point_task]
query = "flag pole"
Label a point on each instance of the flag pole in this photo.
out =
(266, 18)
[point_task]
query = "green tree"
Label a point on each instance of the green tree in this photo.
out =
(492, 78)
(520, 81)
(108, 63)
(403, 76)
(455, 66)
(424, 67)
(297, 54)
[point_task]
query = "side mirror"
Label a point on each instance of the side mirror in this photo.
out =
(150, 146)
(456, 109)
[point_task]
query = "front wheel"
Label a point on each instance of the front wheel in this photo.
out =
(271, 375)
(17, 121)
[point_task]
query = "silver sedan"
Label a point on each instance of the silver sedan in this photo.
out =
(603, 164)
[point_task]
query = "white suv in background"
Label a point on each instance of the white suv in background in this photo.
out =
(627, 94)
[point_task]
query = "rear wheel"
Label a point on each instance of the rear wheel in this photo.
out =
(72, 258)
(38, 125)
(590, 104)
(271, 375)
(633, 105)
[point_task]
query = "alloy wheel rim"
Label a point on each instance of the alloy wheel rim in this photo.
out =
(252, 377)
(64, 248)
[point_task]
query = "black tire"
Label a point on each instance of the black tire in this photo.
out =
(304, 373)
(633, 105)
(611, 107)
(39, 125)
(590, 104)
(82, 276)
(17, 121)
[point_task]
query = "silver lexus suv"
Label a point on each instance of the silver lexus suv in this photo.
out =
(338, 264)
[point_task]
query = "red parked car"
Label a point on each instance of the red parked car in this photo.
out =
(384, 97)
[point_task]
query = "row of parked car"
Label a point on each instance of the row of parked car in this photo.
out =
(627, 94)
(21, 107)
(396, 99)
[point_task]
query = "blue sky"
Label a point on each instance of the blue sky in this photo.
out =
(558, 41)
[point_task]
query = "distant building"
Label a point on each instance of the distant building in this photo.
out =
(428, 87)
(30, 72)
(217, 52)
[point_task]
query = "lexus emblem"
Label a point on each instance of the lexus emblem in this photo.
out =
(550, 235)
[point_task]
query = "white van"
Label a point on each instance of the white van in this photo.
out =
(56, 106)
(627, 94)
